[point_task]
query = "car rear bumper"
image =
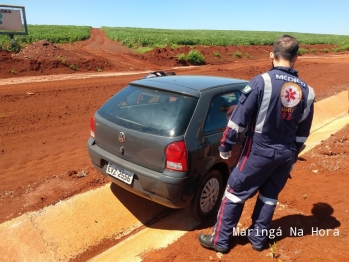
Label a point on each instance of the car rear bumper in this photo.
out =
(155, 186)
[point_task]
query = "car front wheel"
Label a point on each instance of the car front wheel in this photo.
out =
(208, 197)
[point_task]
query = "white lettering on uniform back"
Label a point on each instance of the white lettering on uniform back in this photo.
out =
(290, 79)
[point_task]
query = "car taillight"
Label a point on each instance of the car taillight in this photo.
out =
(92, 126)
(176, 156)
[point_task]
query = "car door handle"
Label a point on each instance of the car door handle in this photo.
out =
(204, 150)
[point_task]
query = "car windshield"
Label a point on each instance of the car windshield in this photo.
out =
(150, 111)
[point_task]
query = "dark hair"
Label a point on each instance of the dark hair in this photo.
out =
(285, 47)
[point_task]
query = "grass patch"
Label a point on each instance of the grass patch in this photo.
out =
(160, 45)
(195, 57)
(216, 54)
(175, 46)
(248, 55)
(238, 54)
(345, 47)
(273, 249)
(302, 51)
(143, 50)
(62, 59)
(341, 48)
(74, 67)
(182, 57)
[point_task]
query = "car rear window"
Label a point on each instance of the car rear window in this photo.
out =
(150, 111)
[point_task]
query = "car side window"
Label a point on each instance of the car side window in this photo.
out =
(216, 119)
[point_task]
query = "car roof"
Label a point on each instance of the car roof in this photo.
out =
(188, 84)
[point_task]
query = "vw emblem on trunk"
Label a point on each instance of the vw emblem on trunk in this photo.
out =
(122, 137)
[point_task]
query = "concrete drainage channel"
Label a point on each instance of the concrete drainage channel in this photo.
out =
(69, 228)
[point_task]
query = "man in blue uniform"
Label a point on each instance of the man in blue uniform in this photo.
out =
(276, 111)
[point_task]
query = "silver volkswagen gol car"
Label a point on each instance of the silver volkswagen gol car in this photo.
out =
(158, 138)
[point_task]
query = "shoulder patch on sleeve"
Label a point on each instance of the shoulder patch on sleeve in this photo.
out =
(247, 90)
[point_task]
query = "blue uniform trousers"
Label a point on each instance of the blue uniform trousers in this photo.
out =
(260, 168)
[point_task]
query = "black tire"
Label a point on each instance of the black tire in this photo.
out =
(208, 197)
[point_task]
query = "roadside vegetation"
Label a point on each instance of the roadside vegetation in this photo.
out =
(194, 57)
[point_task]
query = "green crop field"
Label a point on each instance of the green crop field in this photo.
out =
(150, 38)
(52, 33)
(142, 37)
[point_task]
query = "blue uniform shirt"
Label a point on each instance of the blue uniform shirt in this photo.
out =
(275, 108)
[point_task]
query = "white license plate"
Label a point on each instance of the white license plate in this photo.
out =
(119, 173)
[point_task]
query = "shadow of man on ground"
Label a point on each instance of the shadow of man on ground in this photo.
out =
(320, 223)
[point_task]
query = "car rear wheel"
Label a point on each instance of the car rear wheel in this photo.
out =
(208, 197)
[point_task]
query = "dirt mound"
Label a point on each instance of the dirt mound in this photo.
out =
(45, 58)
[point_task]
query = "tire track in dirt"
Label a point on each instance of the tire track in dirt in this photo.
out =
(99, 45)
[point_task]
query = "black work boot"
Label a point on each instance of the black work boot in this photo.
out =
(259, 249)
(205, 241)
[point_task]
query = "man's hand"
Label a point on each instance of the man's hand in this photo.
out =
(225, 155)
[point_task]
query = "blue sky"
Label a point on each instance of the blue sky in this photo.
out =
(304, 16)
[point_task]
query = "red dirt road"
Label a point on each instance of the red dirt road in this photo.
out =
(44, 127)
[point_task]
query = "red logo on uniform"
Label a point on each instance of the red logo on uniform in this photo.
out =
(291, 94)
